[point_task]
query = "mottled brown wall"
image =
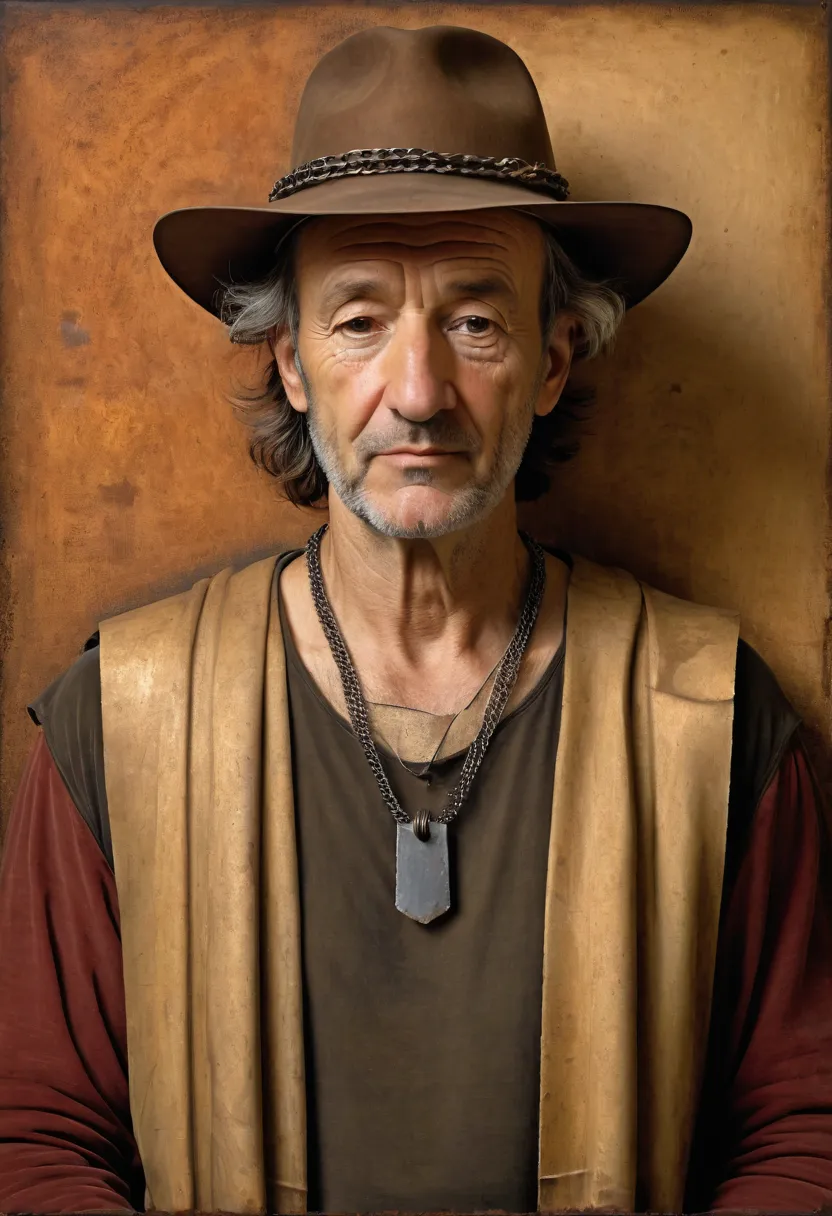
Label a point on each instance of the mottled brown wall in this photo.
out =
(123, 471)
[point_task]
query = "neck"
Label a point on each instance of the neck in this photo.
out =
(425, 599)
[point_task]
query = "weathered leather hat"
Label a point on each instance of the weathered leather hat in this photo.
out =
(430, 120)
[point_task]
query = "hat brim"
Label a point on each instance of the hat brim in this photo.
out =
(632, 246)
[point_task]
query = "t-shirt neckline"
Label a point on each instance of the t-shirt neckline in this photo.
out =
(293, 658)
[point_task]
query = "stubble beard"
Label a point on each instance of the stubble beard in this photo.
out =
(472, 503)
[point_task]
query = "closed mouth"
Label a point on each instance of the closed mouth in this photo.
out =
(419, 452)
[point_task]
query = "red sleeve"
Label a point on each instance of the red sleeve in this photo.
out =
(771, 1082)
(66, 1141)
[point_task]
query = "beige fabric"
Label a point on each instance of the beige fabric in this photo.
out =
(198, 773)
(196, 861)
(635, 878)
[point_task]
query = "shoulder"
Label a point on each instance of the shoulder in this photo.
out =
(684, 648)
(69, 713)
(692, 639)
(180, 604)
(699, 654)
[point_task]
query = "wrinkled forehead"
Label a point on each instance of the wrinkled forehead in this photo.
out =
(494, 238)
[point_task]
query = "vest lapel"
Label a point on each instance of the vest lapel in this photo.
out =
(633, 893)
(145, 703)
(588, 1046)
(203, 841)
(683, 702)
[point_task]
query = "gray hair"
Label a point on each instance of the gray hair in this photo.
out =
(280, 441)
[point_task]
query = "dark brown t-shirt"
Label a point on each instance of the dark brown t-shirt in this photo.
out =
(422, 1041)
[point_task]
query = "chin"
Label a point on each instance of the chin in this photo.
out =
(419, 512)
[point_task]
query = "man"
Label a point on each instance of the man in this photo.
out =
(422, 869)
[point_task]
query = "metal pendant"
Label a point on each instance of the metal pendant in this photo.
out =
(423, 885)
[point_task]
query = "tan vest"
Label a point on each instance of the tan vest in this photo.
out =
(199, 787)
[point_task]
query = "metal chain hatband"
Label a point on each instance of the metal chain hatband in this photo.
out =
(504, 681)
(419, 160)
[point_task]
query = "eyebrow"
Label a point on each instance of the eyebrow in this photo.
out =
(490, 285)
(344, 290)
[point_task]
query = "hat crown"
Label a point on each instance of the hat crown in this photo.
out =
(446, 88)
(439, 119)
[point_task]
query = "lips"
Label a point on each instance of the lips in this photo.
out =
(418, 452)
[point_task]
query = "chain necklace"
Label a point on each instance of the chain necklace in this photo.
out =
(422, 871)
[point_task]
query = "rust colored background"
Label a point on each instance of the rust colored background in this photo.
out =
(124, 474)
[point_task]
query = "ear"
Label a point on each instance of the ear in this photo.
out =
(280, 342)
(557, 357)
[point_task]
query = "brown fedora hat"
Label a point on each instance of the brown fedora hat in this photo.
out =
(438, 119)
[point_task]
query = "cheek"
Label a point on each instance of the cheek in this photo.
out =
(493, 395)
(346, 396)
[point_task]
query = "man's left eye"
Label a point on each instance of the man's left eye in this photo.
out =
(476, 326)
(358, 325)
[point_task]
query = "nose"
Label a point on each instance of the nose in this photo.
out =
(417, 370)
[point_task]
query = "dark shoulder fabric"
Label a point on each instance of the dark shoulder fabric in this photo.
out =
(764, 723)
(69, 712)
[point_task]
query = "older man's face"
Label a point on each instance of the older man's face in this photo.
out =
(422, 361)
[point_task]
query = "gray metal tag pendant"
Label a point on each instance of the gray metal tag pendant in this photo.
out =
(423, 884)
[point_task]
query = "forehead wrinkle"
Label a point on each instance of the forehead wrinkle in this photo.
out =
(481, 282)
(440, 250)
(488, 269)
(463, 249)
(481, 235)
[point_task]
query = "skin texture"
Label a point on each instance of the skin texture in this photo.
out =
(423, 331)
